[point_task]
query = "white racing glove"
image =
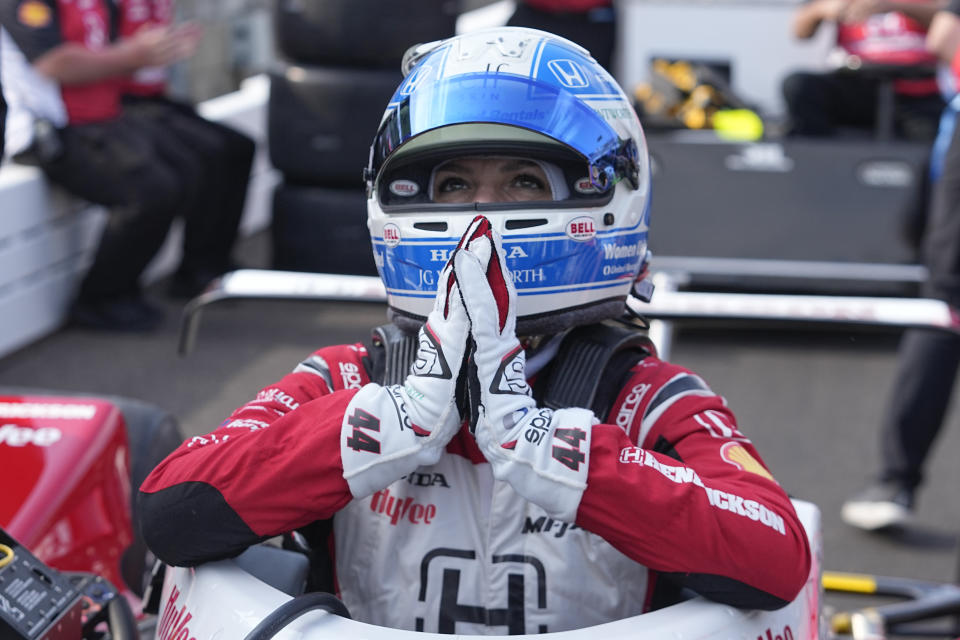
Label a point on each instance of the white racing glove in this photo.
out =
(387, 432)
(543, 454)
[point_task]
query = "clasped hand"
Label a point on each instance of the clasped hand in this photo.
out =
(389, 431)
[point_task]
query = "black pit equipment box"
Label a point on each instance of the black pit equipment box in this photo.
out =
(40, 603)
(837, 203)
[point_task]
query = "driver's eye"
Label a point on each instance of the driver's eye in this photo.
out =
(452, 184)
(528, 181)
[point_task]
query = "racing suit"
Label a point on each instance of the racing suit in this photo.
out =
(676, 497)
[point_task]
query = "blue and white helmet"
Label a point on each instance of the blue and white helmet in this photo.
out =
(512, 91)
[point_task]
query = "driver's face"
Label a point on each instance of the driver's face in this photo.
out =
(490, 179)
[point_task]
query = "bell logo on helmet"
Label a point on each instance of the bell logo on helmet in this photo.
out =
(585, 186)
(581, 229)
(404, 188)
(569, 73)
(391, 235)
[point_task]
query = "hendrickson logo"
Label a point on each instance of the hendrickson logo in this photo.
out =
(44, 410)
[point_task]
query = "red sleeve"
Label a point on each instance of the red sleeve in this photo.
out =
(273, 466)
(674, 485)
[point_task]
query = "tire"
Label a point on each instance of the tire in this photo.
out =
(322, 121)
(321, 230)
(152, 434)
(359, 33)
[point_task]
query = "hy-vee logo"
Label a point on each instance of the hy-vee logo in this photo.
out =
(16, 436)
(173, 621)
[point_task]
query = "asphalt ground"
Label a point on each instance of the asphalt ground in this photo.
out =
(810, 400)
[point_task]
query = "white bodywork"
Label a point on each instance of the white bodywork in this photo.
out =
(219, 601)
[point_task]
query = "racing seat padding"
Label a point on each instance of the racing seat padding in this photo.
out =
(284, 570)
(591, 366)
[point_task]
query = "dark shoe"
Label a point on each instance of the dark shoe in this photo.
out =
(186, 284)
(879, 506)
(128, 313)
(186, 287)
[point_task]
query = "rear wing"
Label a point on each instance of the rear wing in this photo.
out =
(667, 305)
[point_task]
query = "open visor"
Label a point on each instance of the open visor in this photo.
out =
(515, 102)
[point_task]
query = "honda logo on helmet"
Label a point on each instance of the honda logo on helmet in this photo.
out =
(569, 73)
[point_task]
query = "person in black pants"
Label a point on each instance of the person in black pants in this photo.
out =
(220, 158)
(65, 80)
(878, 33)
(220, 155)
(928, 359)
(115, 164)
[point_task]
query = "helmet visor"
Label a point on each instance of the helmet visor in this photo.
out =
(512, 100)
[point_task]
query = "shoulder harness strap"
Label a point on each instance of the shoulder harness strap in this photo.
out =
(392, 354)
(588, 371)
(591, 366)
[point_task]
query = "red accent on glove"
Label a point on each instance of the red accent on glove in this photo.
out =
(494, 274)
(483, 229)
(497, 284)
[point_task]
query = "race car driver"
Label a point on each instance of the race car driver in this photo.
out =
(508, 455)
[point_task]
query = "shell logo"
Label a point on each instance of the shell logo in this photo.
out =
(34, 14)
(735, 454)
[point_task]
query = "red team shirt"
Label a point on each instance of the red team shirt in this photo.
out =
(134, 15)
(890, 38)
